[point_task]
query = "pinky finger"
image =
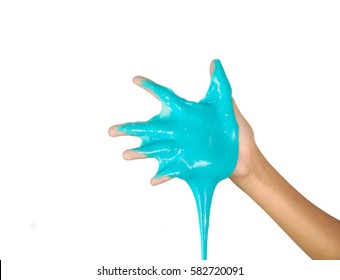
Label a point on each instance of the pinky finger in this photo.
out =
(159, 180)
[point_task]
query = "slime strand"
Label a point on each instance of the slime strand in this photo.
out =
(196, 142)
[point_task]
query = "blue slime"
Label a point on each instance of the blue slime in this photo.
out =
(196, 142)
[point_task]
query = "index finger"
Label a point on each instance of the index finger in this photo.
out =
(141, 129)
(163, 94)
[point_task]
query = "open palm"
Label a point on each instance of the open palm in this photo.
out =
(189, 139)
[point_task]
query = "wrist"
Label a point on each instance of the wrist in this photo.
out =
(254, 170)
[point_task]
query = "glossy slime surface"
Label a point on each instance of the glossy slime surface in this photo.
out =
(196, 142)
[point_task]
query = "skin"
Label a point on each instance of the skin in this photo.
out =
(130, 154)
(314, 231)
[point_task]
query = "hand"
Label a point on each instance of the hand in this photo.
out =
(188, 139)
(203, 140)
(248, 150)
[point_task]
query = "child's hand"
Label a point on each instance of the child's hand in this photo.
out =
(188, 139)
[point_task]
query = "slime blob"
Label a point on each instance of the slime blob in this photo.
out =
(196, 142)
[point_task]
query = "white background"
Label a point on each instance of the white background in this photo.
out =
(69, 203)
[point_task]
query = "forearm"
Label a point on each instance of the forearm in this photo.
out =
(313, 230)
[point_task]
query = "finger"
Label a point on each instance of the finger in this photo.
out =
(217, 73)
(160, 150)
(219, 90)
(163, 94)
(114, 132)
(138, 80)
(166, 171)
(219, 82)
(212, 67)
(157, 181)
(131, 155)
(135, 129)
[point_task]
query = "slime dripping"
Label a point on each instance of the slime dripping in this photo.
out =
(196, 142)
